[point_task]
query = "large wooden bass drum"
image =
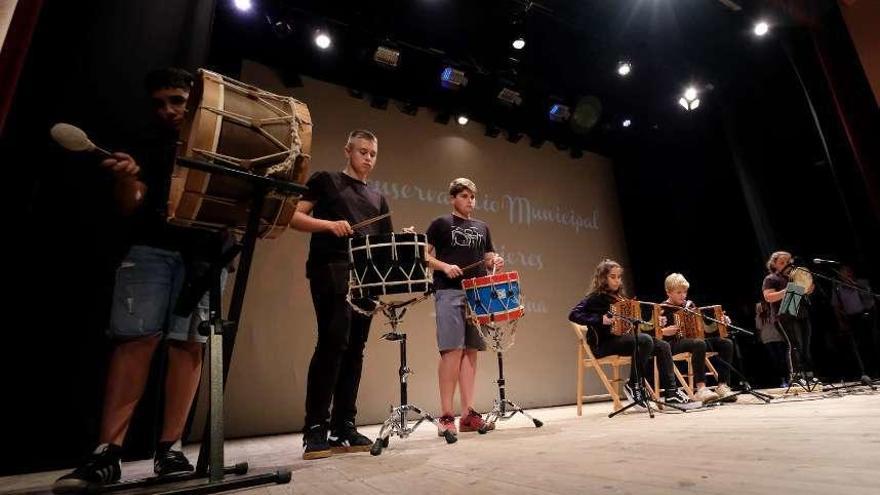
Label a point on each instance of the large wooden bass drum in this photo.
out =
(232, 123)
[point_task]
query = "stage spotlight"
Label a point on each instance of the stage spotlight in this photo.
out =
(323, 40)
(462, 119)
(623, 69)
(243, 5)
(510, 97)
(282, 28)
(626, 123)
(452, 78)
(559, 112)
(519, 43)
(389, 57)
(761, 28)
(690, 100)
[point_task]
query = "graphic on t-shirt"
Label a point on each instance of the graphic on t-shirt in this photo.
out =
(468, 237)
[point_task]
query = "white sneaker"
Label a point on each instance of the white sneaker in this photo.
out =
(705, 395)
(724, 393)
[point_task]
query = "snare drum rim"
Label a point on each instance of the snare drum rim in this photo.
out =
(509, 315)
(489, 280)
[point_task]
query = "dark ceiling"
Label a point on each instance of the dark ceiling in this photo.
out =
(572, 51)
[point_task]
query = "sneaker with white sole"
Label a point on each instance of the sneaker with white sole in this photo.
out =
(706, 395)
(725, 394)
(678, 397)
(447, 423)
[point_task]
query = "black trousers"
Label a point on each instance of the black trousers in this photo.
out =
(335, 369)
(779, 356)
(797, 331)
(663, 353)
(724, 347)
(624, 345)
(697, 347)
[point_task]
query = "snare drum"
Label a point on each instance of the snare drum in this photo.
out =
(494, 298)
(234, 124)
(385, 264)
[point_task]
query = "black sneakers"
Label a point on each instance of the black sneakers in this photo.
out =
(170, 461)
(632, 393)
(347, 439)
(678, 397)
(102, 467)
(315, 442)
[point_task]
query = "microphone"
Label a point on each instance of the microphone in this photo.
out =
(820, 261)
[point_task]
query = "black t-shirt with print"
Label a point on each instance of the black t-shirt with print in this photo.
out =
(459, 241)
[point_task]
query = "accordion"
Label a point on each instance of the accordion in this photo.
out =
(630, 308)
(693, 324)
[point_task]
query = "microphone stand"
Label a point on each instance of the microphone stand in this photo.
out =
(744, 383)
(838, 281)
(859, 288)
(640, 395)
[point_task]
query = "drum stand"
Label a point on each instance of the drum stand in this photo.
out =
(221, 340)
(504, 408)
(398, 422)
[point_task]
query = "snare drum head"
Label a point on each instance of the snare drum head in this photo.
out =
(385, 264)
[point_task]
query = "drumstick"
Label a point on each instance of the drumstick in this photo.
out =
(472, 265)
(371, 220)
(74, 139)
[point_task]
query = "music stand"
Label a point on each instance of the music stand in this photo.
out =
(221, 335)
(791, 301)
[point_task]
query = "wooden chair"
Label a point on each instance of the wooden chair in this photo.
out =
(587, 360)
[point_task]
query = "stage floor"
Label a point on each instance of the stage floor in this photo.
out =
(809, 444)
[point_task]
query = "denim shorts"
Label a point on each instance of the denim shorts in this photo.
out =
(148, 283)
(454, 329)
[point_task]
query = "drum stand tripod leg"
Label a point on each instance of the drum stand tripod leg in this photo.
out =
(397, 422)
(504, 409)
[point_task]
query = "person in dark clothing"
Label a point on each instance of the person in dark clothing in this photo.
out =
(161, 259)
(856, 322)
(795, 329)
(334, 202)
